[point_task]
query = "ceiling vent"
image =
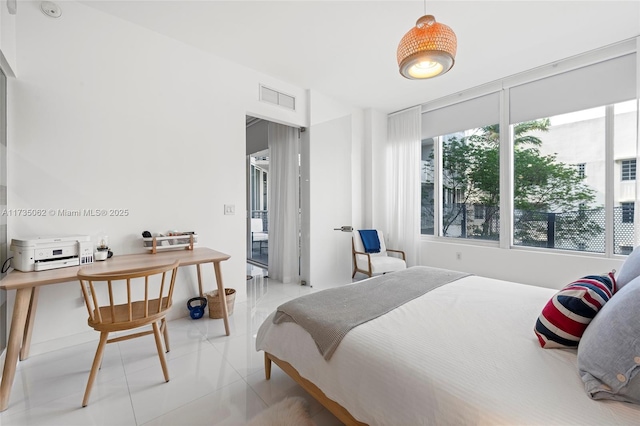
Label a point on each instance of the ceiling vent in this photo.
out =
(277, 98)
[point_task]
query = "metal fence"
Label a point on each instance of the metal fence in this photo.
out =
(579, 230)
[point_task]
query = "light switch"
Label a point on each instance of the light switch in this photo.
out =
(229, 209)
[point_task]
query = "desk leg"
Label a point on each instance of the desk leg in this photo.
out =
(20, 307)
(223, 297)
(199, 280)
(31, 316)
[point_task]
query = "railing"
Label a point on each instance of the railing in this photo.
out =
(579, 230)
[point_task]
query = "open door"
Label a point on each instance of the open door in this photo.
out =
(326, 203)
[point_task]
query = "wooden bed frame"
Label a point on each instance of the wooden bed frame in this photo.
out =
(336, 409)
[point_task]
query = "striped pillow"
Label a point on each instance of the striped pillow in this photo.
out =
(566, 316)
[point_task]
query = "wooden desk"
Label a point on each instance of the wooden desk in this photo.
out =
(27, 285)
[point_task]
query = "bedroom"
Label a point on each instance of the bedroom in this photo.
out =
(79, 75)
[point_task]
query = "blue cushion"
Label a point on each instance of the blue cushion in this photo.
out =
(630, 268)
(609, 351)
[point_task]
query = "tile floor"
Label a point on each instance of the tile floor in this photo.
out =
(215, 379)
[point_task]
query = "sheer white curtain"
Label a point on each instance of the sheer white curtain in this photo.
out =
(283, 200)
(403, 190)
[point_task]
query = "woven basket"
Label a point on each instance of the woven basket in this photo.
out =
(213, 302)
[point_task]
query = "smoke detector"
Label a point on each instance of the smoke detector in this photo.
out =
(50, 9)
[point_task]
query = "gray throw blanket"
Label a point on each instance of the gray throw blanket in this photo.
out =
(328, 315)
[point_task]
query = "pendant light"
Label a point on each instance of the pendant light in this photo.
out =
(427, 50)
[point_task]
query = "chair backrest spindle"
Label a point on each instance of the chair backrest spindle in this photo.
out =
(146, 296)
(112, 303)
(164, 274)
(85, 296)
(129, 305)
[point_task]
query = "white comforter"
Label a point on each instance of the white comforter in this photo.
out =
(465, 353)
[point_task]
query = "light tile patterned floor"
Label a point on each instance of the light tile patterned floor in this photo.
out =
(215, 379)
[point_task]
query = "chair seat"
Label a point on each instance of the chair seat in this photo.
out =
(120, 319)
(259, 236)
(384, 264)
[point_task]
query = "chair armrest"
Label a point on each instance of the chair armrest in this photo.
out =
(399, 251)
(368, 260)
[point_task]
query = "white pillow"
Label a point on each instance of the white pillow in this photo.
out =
(630, 269)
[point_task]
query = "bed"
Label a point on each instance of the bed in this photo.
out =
(462, 353)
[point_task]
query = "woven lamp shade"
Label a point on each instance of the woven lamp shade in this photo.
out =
(427, 50)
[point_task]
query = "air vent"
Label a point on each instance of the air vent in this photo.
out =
(277, 98)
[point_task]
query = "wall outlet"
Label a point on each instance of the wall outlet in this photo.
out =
(229, 209)
(458, 255)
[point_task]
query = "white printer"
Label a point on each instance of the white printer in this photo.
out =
(43, 253)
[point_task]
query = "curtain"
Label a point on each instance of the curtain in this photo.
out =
(283, 201)
(403, 190)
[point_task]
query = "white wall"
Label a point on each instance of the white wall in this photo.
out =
(377, 171)
(551, 269)
(106, 115)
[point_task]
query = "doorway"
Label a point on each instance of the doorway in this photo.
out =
(257, 191)
(273, 198)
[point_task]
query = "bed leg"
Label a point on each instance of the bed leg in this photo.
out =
(267, 366)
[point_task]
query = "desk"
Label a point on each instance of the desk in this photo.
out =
(27, 285)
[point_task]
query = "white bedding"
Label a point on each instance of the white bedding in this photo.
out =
(464, 353)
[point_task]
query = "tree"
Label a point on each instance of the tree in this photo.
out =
(471, 177)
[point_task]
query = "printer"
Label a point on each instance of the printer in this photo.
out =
(41, 254)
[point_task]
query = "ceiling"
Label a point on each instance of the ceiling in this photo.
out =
(346, 49)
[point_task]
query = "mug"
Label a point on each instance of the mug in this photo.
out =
(101, 255)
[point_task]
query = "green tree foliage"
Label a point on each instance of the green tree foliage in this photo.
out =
(542, 185)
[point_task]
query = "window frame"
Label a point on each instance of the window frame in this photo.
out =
(503, 87)
(628, 168)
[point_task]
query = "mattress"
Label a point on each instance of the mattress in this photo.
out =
(464, 353)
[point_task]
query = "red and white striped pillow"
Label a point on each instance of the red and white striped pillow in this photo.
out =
(566, 316)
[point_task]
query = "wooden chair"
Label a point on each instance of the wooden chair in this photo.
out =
(126, 300)
(375, 263)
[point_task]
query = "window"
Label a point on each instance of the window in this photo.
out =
(550, 131)
(471, 184)
(627, 212)
(628, 169)
(555, 205)
(461, 170)
(427, 189)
